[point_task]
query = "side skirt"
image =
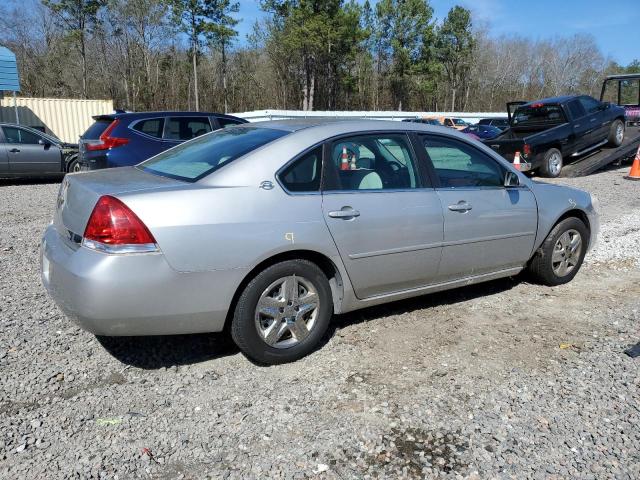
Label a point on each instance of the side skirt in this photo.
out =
(437, 287)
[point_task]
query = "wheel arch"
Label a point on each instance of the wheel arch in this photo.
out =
(328, 267)
(573, 212)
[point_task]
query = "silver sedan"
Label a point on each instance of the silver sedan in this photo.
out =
(272, 228)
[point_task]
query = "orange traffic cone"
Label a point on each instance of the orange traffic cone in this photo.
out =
(634, 173)
(344, 163)
(516, 160)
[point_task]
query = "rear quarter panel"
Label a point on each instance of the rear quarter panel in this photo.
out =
(222, 228)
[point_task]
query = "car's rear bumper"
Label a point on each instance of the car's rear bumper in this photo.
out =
(133, 294)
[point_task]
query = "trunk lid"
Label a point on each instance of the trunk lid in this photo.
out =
(80, 192)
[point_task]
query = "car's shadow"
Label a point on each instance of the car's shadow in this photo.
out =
(155, 352)
(10, 182)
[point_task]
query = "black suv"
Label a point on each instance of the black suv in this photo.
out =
(121, 139)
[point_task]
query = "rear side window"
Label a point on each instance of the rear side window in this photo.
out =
(303, 175)
(95, 130)
(538, 114)
(591, 105)
(194, 160)
(576, 110)
(186, 128)
(152, 127)
(371, 162)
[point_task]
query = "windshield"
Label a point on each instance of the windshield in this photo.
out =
(538, 114)
(197, 158)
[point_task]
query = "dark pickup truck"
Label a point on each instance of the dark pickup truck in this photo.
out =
(549, 130)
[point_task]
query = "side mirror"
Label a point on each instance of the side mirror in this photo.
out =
(44, 142)
(511, 180)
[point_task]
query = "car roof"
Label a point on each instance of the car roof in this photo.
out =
(136, 115)
(334, 126)
(553, 100)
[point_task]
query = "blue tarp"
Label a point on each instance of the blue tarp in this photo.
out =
(9, 80)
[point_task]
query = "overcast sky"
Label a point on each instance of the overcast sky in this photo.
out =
(615, 24)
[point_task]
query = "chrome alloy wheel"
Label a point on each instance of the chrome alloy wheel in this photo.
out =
(555, 164)
(619, 133)
(566, 253)
(287, 311)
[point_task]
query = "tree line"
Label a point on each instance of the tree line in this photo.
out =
(305, 54)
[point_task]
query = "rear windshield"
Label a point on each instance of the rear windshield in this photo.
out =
(538, 114)
(197, 158)
(95, 130)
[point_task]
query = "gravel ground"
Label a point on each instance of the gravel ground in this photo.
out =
(501, 380)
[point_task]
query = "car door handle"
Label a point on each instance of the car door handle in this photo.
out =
(461, 206)
(345, 212)
(14, 150)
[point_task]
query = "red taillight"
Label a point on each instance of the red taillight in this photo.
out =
(526, 150)
(113, 223)
(106, 140)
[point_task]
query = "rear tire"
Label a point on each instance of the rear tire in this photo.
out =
(551, 163)
(291, 328)
(616, 133)
(565, 246)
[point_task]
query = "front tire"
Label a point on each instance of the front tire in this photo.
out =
(74, 166)
(551, 163)
(283, 312)
(616, 133)
(560, 256)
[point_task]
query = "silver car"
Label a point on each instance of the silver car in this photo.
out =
(272, 228)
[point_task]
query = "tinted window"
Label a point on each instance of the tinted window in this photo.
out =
(18, 135)
(95, 130)
(151, 126)
(591, 105)
(372, 162)
(186, 128)
(227, 121)
(194, 160)
(575, 108)
(303, 175)
(460, 165)
(538, 114)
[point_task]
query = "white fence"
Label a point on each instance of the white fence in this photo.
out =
(263, 115)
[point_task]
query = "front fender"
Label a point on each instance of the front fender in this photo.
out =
(556, 201)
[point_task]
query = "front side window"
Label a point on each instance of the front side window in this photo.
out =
(460, 165)
(194, 160)
(152, 127)
(18, 135)
(186, 128)
(371, 162)
(303, 175)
